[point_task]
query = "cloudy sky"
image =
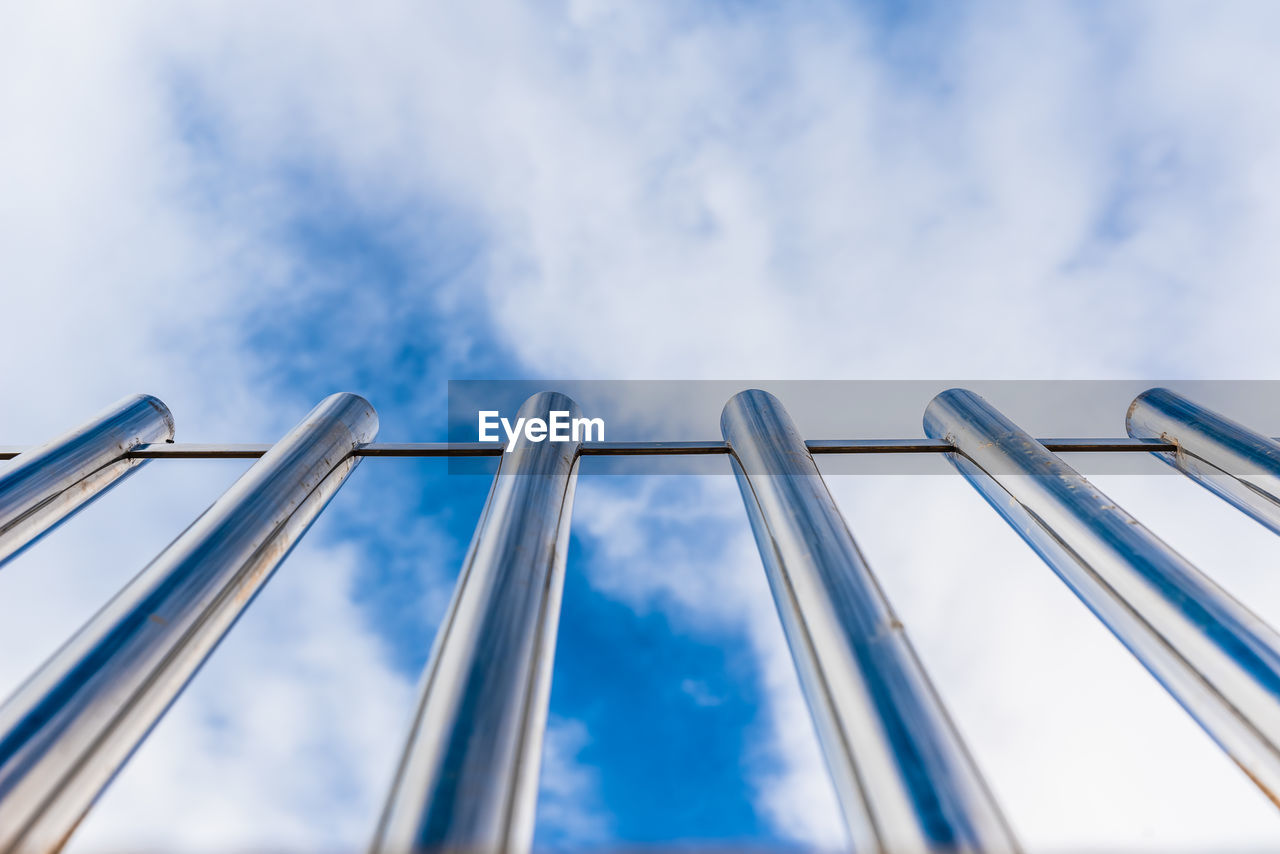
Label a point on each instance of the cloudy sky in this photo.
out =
(241, 208)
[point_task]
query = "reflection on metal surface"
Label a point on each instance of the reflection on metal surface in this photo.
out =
(904, 779)
(73, 724)
(1215, 657)
(1236, 463)
(49, 483)
(468, 778)
(709, 447)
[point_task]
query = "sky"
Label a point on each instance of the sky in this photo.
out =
(243, 207)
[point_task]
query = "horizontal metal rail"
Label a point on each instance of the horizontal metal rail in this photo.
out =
(195, 451)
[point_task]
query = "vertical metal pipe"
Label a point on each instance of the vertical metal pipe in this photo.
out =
(904, 779)
(1230, 460)
(73, 724)
(1215, 657)
(468, 778)
(46, 485)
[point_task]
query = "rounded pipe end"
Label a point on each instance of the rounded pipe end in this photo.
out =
(543, 403)
(746, 402)
(941, 413)
(762, 436)
(1137, 418)
(351, 410)
(167, 431)
(542, 454)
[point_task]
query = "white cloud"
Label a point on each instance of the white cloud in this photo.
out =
(289, 735)
(700, 692)
(705, 576)
(1082, 747)
(568, 800)
(117, 281)
(1043, 191)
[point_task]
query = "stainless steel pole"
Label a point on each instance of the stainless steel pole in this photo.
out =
(72, 725)
(45, 485)
(904, 779)
(468, 779)
(1215, 657)
(1239, 465)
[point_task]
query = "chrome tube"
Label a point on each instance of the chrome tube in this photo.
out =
(1217, 659)
(903, 777)
(1235, 463)
(47, 484)
(468, 779)
(73, 724)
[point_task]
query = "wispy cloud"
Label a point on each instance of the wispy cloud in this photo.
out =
(238, 208)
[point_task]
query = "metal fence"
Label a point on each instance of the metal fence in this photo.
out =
(467, 780)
